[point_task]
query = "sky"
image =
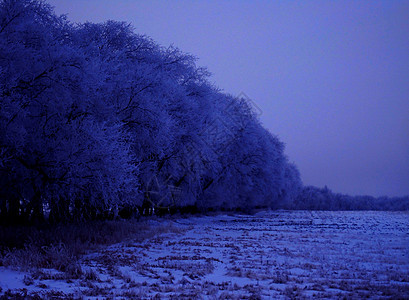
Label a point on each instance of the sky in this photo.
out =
(331, 78)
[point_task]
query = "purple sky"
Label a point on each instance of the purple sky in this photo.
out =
(331, 78)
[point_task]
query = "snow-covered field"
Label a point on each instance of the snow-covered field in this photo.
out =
(278, 254)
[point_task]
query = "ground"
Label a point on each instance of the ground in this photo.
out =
(269, 255)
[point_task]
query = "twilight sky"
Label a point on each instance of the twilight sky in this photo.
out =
(331, 78)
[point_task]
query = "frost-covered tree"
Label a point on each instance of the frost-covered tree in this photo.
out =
(57, 150)
(95, 117)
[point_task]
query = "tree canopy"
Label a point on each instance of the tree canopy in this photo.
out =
(95, 118)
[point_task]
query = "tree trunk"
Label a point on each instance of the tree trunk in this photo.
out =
(37, 215)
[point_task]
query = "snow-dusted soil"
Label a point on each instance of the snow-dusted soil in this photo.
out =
(271, 255)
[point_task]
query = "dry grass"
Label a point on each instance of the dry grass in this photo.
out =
(60, 247)
(285, 255)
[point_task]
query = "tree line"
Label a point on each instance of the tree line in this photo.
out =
(97, 120)
(314, 198)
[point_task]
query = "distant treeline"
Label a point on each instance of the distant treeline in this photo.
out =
(313, 198)
(96, 121)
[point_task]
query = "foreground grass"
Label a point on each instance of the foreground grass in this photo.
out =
(269, 255)
(59, 247)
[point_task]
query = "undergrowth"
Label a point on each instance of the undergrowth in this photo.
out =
(60, 247)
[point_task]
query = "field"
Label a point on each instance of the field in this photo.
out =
(276, 254)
